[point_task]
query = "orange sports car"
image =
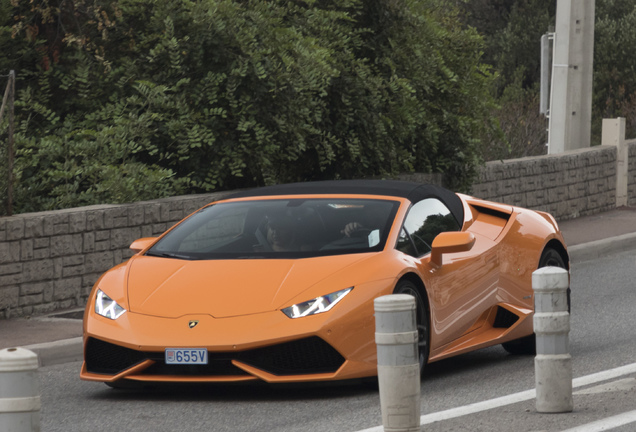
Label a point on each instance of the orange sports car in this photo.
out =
(277, 284)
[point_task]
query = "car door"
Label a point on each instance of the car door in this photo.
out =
(464, 286)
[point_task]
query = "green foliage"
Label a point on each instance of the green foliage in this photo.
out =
(615, 63)
(522, 129)
(137, 99)
(512, 31)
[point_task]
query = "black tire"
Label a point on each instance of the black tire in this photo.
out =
(422, 320)
(528, 345)
(552, 258)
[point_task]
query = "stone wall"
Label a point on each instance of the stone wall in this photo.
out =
(51, 260)
(568, 185)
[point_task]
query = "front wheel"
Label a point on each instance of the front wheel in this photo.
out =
(421, 320)
(528, 345)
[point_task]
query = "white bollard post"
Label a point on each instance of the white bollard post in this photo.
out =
(19, 391)
(553, 363)
(398, 362)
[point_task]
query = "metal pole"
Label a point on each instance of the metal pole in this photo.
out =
(6, 96)
(11, 145)
(546, 64)
(553, 363)
(9, 97)
(398, 362)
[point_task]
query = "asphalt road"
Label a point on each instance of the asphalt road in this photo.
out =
(601, 338)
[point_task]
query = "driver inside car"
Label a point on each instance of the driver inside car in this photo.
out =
(281, 234)
(351, 228)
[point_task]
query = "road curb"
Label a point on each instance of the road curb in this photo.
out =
(58, 352)
(602, 248)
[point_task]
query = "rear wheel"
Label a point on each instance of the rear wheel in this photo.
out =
(528, 345)
(421, 320)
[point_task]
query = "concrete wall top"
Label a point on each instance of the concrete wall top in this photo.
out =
(567, 185)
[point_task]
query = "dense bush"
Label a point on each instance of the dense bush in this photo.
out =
(512, 32)
(615, 63)
(136, 99)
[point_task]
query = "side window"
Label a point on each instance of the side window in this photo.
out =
(424, 221)
(404, 244)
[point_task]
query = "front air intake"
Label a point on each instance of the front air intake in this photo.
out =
(304, 356)
(107, 358)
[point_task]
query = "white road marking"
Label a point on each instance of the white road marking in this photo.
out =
(624, 385)
(604, 376)
(606, 423)
(521, 397)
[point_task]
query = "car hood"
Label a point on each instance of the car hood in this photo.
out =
(225, 288)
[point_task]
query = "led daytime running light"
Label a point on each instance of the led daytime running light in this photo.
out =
(316, 306)
(107, 307)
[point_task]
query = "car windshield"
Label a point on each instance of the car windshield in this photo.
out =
(280, 228)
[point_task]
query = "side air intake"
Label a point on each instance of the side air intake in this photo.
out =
(504, 318)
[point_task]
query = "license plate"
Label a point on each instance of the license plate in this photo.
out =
(186, 356)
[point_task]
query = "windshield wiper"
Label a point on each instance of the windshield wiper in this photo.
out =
(171, 255)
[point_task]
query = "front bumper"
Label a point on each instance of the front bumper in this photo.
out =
(311, 357)
(268, 347)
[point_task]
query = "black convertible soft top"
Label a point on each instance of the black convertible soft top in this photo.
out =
(414, 192)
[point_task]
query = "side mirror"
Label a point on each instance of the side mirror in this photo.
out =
(142, 243)
(450, 242)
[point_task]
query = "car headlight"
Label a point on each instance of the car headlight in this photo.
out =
(107, 307)
(318, 305)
